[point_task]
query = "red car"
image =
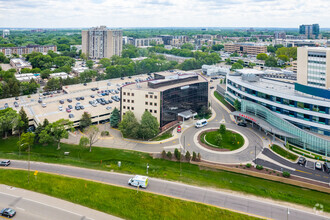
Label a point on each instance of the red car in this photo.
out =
(68, 110)
(179, 129)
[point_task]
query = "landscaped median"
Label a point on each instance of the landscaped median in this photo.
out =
(284, 153)
(118, 201)
(133, 162)
(229, 140)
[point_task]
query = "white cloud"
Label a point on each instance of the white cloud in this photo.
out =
(163, 13)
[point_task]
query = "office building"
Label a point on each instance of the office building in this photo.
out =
(5, 33)
(170, 97)
(313, 66)
(311, 31)
(248, 48)
(292, 112)
(100, 42)
(215, 70)
(146, 42)
(27, 49)
(166, 39)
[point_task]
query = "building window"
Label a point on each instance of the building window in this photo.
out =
(155, 111)
(128, 100)
(124, 107)
(128, 94)
(150, 110)
(151, 96)
(124, 93)
(155, 97)
(124, 100)
(155, 104)
(146, 103)
(132, 101)
(151, 103)
(146, 96)
(132, 94)
(132, 108)
(127, 107)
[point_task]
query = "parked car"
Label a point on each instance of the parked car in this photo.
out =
(211, 87)
(326, 166)
(16, 98)
(108, 108)
(71, 115)
(122, 78)
(60, 108)
(16, 104)
(92, 96)
(77, 107)
(82, 98)
(8, 212)
(78, 98)
(82, 107)
(70, 106)
(69, 100)
(302, 161)
(241, 124)
(318, 165)
(6, 105)
(62, 101)
(85, 84)
(68, 110)
(5, 163)
(44, 105)
(40, 101)
(179, 129)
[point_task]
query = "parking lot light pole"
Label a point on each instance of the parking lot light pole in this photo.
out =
(147, 167)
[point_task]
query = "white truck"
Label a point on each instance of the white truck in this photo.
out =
(138, 181)
(201, 123)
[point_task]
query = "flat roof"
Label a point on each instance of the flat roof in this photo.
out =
(144, 85)
(249, 71)
(285, 88)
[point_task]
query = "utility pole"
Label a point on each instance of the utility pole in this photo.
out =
(255, 154)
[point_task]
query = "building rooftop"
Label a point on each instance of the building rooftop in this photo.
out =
(249, 71)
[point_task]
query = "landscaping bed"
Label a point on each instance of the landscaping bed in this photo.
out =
(227, 143)
(284, 153)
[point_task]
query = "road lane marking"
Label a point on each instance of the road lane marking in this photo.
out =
(303, 171)
(326, 177)
(317, 175)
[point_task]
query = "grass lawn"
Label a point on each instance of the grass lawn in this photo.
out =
(223, 101)
(135, 163)
(227, 142)
(165, 135)
(284, 153)
(122, 202)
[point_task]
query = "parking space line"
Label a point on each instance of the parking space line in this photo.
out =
(303, 171)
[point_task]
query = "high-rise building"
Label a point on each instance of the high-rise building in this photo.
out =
(5, 33)
(311, 31)
(313, 66)
(100, 42)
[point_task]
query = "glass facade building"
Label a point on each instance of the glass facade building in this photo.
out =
(179, 99)
(301, 138)
(307, 112)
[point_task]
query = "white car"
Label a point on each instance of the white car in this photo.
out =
(318, 165)
(60, 108)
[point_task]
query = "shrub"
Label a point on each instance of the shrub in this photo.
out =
(222, 129)
(169, 154)
(105, 133)
(177, 154)
(163, 154)
(267, 170)
(29, 96)
(188, 156)
(194, 156)
(248, 165)
(199, 157)
(286, 174)
(259, 167)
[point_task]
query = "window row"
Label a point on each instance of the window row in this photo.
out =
(150, 110)
(128, 107)
(151, 96)
(128, 100)
(151, 104)
(129, 94)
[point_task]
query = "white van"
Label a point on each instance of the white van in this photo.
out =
(201, 123)
(141, 181)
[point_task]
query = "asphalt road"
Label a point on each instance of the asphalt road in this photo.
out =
(199, 194)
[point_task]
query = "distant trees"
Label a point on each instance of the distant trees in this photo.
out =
(236, 66)
(290, 52)
(217, 47)
(262, 56)
(187, 46)
(271, 62)
(89, 64)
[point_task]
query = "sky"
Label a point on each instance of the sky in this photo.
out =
(163, 13)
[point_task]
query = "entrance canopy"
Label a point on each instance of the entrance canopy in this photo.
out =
(263, 124)
(187, 114)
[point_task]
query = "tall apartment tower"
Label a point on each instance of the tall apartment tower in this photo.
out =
(313, 66)
(100, 42)
(5, 33)
(311, 31)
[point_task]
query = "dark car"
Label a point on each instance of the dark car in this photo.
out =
(326, 166)
(78, 98)
(122, 78)
(241, 124)
(110, 101)
(212, 87)
(77, 107)
(85, 84)
(40, 101)
(69, 100)
(16, 98)
(5, 163)
(8, 212)
(62, 101)
(16, 104)
(92, 96)
(71, 115)
(82, 107)
(130, 77)
(301, 161)
(70, 106)
(93, 89)
(82, 98)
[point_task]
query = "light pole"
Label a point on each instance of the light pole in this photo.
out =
(29, 163)
(255, 154)
(287, 214)
(147, 167)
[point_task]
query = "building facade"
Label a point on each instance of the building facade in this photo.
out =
(311, 31)
(5, 33)
(313, 66)
(100, 42)
(247, 48)
(166, 97)
(146, 42)
(20, 64)
(27, 49)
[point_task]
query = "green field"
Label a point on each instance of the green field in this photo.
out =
(136, 162)
(164, 136)
(284, 153)
(227, 142)
(121, 202)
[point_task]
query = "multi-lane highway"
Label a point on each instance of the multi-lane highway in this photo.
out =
(205, 195)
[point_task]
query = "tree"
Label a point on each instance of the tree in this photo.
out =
(228, 61)
(187, 46)
(85, 120)
(218, 139)
(26, 141)
(129, 126)
(84, 141)
(262, 56)
(89, 64)
(271, 62)
(177, 154)
(217, 47)
(237, 105)
(149, 126)
(236, 66)
(92, 134)
(240, 62)
(271, 49)
(23, 122)
(55, 132)
(8, 120)
(284, 58)
(188, 156)
(222, 129)
(83, 56)
(114, 118)
(194, 157)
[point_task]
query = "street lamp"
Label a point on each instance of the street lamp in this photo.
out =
(147, 167)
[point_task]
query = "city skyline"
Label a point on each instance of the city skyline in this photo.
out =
(162, 13)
